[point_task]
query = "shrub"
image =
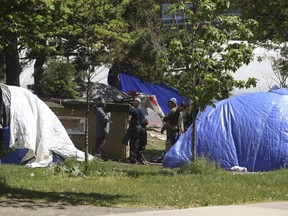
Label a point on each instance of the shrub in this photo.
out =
(70, 167)
(202, 165)
(57, 80)
(3, 184)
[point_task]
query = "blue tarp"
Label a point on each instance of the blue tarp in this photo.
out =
(15, 155)
(249, 130)
(162, 92)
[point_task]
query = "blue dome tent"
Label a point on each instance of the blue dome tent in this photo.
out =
(249, 130)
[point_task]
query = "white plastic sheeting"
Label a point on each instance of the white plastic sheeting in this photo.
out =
(35, 127)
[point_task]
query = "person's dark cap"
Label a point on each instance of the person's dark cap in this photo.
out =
(183, 104)
(100, 101)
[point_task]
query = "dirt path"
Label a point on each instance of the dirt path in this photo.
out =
(21, 207)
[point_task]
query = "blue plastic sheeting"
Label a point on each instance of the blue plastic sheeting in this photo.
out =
(163, 93)
(15, 155)
(250, 130)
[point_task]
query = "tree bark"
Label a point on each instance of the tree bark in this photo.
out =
(38, 73)
(12, 62)
(194, 134)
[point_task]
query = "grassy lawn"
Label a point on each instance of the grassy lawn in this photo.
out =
(121, 184)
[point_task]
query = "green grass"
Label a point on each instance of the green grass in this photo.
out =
(118, 184)
(155, 148)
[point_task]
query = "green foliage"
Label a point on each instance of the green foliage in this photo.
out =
(29, 20)
(70, 168)
(144, 54)
(280, 67)
(270, 32)
(3, 151)
(201, 165)
(89, 30)
(202, 55)
(95, 27)
(279, 63)
(28, 25)
(4, 188)
(3, 181)
(57, 80)
(198, 55)
(271, 17)
(144, 57)
(74, 168)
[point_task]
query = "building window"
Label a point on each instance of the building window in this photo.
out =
(177, 19)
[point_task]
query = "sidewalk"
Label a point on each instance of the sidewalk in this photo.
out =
(33, 209)
(263, 209)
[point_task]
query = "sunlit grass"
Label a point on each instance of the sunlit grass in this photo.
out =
(120, 184)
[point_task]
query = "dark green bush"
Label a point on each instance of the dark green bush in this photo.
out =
(58, 80)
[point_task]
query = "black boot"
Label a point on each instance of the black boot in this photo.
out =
(141, 158)
(133, 160)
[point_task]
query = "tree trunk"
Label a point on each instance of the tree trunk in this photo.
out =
(12, 63)
(38, 72)
(87, 130)
(194, 134)
(87, 136)
(193, 150)
(87, 124)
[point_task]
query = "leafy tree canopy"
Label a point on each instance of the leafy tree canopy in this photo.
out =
(198, 54)
(30, 20)
(57, 81)
(270, 32)
(272, 18)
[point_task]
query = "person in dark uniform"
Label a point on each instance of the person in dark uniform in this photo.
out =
(137, 126)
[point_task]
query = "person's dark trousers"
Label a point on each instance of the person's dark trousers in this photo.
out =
(133, 151)
(173, 136)
(142, 145)
(138, 142)
(134, 142)
(100, 142)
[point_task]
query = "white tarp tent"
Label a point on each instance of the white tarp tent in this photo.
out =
(33, 126)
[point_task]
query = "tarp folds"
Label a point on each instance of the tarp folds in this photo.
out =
(163, 93)
(250, 130)
(34, 127)
(107, 92)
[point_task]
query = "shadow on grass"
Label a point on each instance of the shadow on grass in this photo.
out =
(32, 196)
(151, 154)
(136, 174)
